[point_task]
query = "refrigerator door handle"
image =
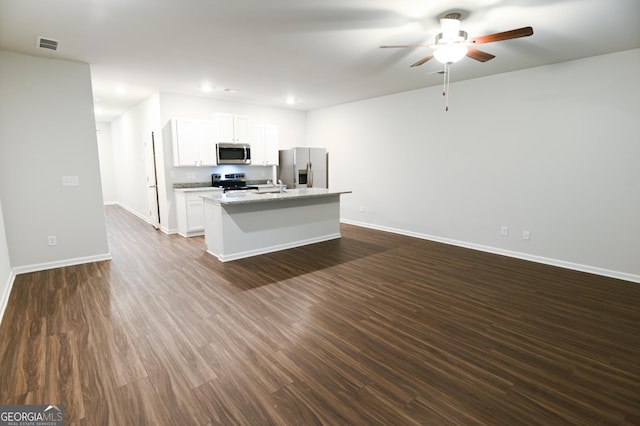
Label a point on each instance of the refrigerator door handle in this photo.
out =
(310, 177)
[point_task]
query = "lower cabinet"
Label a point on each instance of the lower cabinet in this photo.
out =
(190, 212)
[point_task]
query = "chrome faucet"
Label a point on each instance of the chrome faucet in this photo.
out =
(279, 186)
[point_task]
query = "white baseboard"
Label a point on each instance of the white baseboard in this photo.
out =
(5, 295)
(135, 213)
(518, 255)
(168, 231)
(279, 247)
(60, 263)
(146, 219)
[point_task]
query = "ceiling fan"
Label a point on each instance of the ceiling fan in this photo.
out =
(452, 44)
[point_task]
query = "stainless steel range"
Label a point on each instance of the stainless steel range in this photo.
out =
(231, 182)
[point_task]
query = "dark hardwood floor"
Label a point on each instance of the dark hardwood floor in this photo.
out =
(374, 328)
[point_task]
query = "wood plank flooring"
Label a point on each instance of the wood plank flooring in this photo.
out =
(374, 328)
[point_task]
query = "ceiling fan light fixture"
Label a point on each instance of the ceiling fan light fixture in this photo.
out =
(450, 53)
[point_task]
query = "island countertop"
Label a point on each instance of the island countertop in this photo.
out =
(240, 224)
(261, 196)
(198, 189)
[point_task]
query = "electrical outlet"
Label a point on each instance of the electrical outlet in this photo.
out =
(52, 240)
(526, 235)
(504, 231)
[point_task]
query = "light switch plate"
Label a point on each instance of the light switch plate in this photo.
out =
(70, 181)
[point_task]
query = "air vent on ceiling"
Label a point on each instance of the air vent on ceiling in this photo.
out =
(48, 43)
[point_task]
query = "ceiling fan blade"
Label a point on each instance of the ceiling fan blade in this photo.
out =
(422, 61)
(506, 35)
(402, 46)
(479, 55)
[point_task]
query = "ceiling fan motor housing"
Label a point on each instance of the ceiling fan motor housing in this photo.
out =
(462, 36)
(451, 32)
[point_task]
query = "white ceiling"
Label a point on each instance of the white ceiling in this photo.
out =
(322, 52)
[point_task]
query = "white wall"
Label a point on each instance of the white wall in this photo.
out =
(6, 274)
(131, 137)
(108, 175)
(47, 131)
(553, 150)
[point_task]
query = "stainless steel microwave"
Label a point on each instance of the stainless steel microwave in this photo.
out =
(233, 153)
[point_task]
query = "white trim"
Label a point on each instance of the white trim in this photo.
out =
(170, 231)
(5, 296)
(145, 219)
(518, 255)
(135, 213)
(265, 250)
(61, 263)
(110, 203)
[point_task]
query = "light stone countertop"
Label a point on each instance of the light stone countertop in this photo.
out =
(261, 187)
(243, 197)
(198, 189)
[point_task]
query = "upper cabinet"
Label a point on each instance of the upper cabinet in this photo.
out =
(194, 142)
(264, 145)
(232, 128)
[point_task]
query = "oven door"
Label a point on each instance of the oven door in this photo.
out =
(230, 153)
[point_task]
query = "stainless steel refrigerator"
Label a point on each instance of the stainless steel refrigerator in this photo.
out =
(304, 168)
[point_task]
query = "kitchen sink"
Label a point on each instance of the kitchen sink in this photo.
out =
(275, 191)
(244, 194)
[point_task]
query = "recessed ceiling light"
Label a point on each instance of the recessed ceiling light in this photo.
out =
(121, 90)
(290, 100)
(206, 88)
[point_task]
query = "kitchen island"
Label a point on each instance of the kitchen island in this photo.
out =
(241, 224)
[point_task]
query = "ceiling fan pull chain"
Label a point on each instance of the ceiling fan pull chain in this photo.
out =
(444, 81)
(445, 90)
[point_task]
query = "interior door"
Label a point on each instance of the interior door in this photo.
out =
(152, 181)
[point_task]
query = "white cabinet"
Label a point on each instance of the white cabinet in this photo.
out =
(232, 128)
(190, 211)
(194, 142)
(264, 145)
